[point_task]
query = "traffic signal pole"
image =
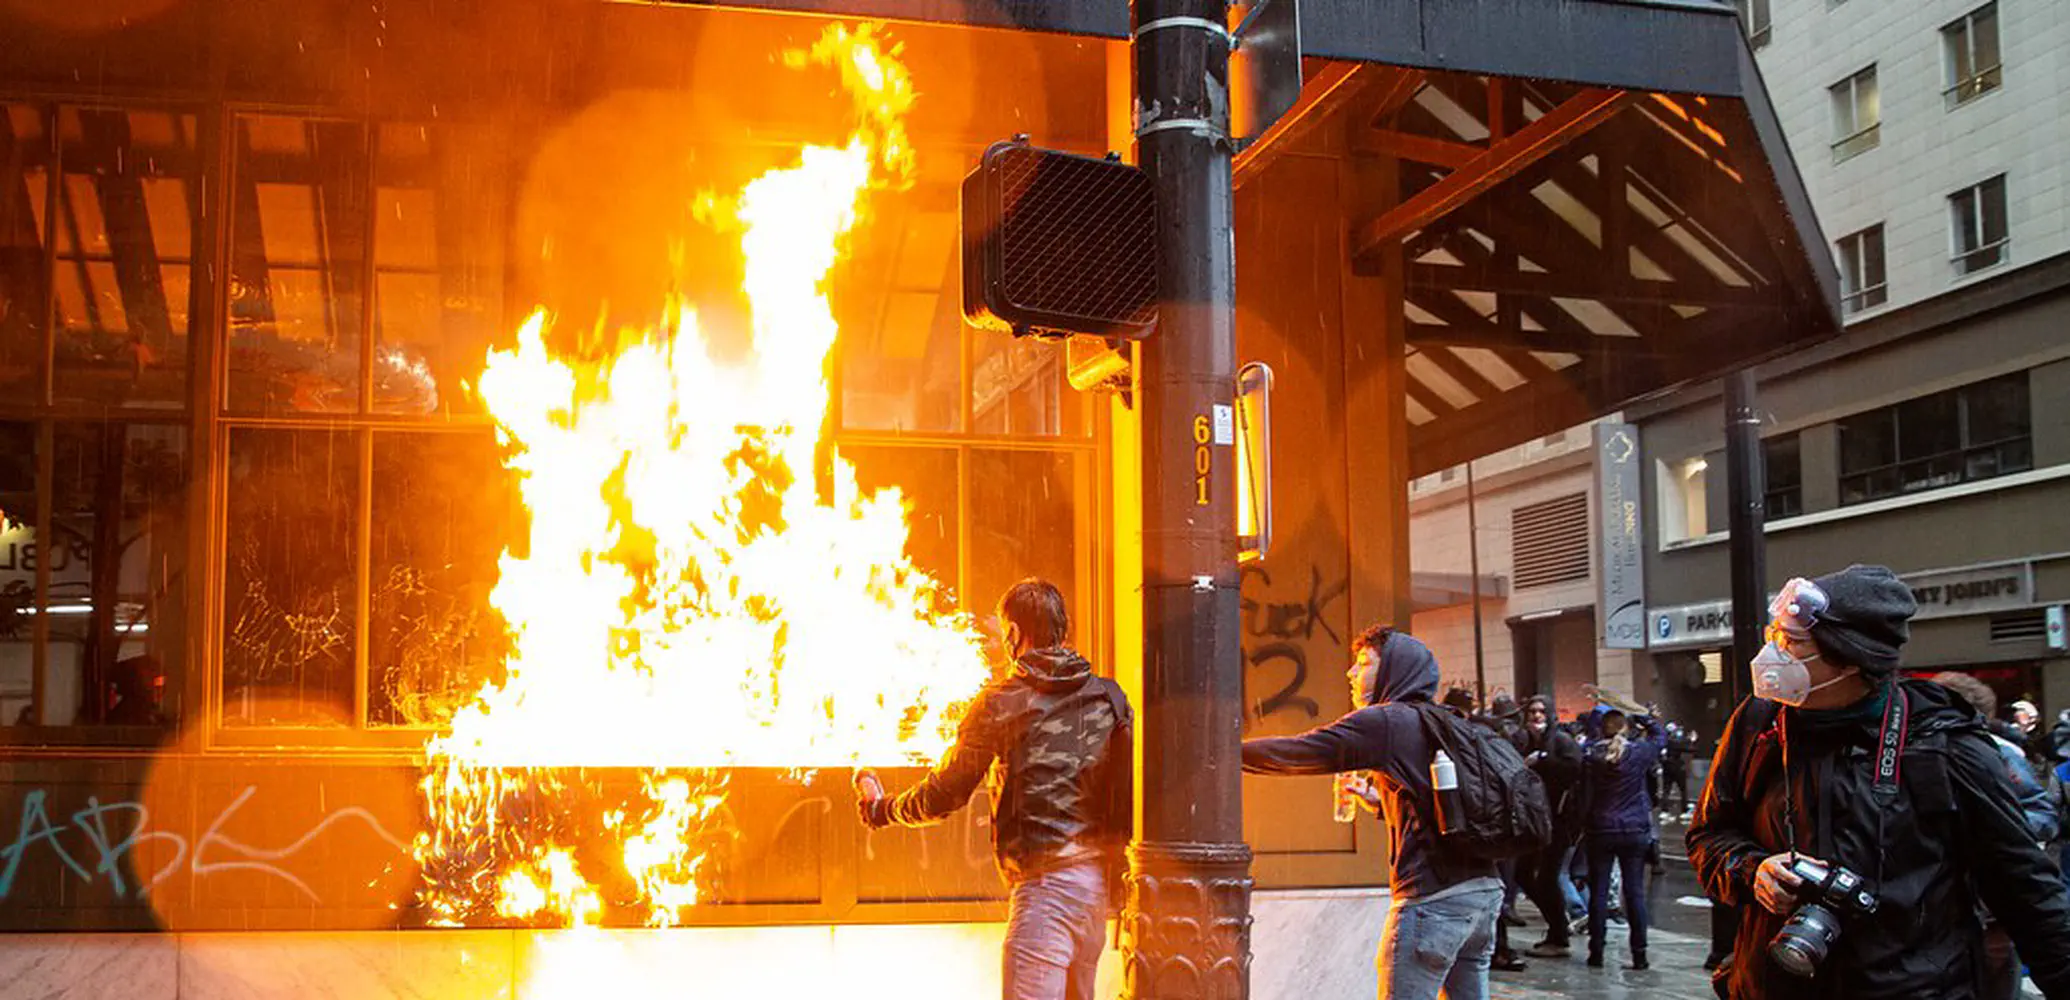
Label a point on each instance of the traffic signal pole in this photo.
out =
(1187, 921)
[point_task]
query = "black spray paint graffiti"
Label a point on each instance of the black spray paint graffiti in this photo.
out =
(37, 827)
(1283, 626)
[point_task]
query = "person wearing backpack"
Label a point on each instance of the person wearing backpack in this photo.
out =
(1054, 739)
(1620, 826)
(1440, 929)
(1858, 818)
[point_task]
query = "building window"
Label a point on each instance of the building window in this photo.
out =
(1783, 465)
(1861, 270)
(1961, 435)
(1970, 44)
(1684, 498)
(1978, 224)
(1857, 114)
(1753, 17)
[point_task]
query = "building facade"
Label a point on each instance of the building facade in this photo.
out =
(1531, 539)
(1934, 435)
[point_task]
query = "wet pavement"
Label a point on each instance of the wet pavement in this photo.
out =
(1676, 945)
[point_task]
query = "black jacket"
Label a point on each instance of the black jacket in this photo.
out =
(1559, 769)
(1952, 834)
(1055, 740)
(1387, 738)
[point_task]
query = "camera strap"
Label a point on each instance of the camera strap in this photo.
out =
(1890, 742)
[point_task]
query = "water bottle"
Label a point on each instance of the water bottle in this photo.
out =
(1347, 802)
(1444, 787)
(868, 787)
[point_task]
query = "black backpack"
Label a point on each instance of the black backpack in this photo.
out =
(1505, 808)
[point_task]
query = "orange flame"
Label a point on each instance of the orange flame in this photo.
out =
(689, 598)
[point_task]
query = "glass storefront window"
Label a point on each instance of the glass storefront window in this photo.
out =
(438, 265)
(25, 160)
(289, 597)
(92, 600)
(1018, 387)
(298, 246)
(1024, 521)
(442, 512)
(125, 255)
(902, 331)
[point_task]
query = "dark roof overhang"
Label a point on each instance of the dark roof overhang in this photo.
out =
(1597, 204)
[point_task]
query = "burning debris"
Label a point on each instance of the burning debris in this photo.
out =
(703, 584)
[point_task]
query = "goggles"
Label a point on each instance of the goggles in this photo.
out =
(1795, 610)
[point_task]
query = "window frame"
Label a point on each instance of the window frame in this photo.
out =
(1773, 497)
(1851, 138)
(1958, 39)
(44, 409)
(1974, 221)
(1756, 20)
(1854, 258)
(1964, 398)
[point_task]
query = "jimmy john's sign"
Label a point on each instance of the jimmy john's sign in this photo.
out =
(1975, 590)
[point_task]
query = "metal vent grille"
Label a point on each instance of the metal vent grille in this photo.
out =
(1549, 541)
(1069, 244)
(2020, 626)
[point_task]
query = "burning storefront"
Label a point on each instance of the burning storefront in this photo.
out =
(490, 471)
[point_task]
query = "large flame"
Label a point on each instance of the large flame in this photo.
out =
(699, 590)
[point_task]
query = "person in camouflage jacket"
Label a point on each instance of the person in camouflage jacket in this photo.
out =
(1055, 742)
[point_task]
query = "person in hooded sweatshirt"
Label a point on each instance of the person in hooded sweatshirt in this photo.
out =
(1054, 739)
(1838, 759)
(1440, 930)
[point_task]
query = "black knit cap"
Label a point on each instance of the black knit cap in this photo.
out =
(1866, 624)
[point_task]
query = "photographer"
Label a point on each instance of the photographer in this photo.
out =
(1860, 870)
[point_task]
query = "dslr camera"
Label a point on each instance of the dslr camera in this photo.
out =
(1825, 894)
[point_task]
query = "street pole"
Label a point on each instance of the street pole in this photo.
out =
(1746, 490)
(1473, 566)
(1187, 922)
(1746, 497)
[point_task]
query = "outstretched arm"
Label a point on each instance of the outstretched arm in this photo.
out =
(1356, 741)
(952, 781)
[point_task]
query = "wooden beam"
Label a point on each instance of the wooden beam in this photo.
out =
(1491, 337)
(1420, 148)
(1338, 86)
(1459, 371)
(1571, 285)
(1502, 161)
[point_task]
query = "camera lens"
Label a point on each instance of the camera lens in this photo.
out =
(1803, 942)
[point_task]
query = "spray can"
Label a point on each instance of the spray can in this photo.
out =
(1346, 800)
(1444, 787)
(868, 787)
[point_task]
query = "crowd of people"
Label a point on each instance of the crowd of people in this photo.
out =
(1865, 834)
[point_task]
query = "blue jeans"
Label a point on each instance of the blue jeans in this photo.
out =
(1626, 851)
(1568, 891)
(1056, 924)
(1437, 945)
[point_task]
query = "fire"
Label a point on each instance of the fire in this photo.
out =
(699, 589)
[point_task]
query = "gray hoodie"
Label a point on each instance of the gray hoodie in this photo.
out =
(1386, 737)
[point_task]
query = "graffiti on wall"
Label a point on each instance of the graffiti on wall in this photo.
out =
(1278, 627)
(39, 838)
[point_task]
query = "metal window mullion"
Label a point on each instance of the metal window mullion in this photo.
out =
(362, 571)
(363, 529)
(963, 517)
(54, 178)
(39, 632)
(207, 445)
(368, 297)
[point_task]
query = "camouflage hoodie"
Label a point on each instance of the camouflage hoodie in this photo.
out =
(1054, 739)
